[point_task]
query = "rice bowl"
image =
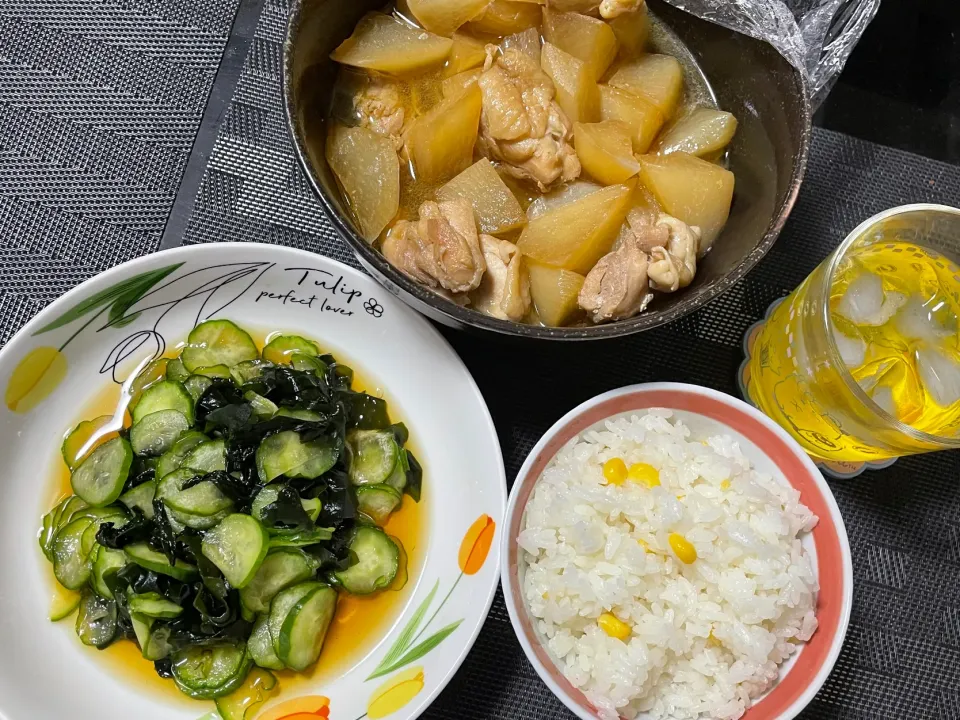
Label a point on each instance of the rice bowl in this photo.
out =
(686, 594)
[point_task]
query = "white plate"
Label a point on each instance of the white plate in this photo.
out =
(45, 672)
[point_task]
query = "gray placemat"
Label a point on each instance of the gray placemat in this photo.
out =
(902, 655)
(100, 102)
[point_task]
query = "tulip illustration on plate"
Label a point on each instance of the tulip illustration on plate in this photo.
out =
(395, 693)
(310, 707)
(409, 647)
(42, 369)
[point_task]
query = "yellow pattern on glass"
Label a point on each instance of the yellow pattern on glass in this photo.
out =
(894, 310)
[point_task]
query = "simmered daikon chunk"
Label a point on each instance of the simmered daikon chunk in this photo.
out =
(456, 84)
(574, 236)
(443, 17)
(643, 117)
(506, 17)
(527, 42)
(440, 143)
(576, 87)
(695, 191)
(367, 168)
(658, 78)
(586, 38)
(467, 53)
(381, 42)
(632, 31)
(554, 292)
(605, 150)
(704, 133)
(496, 208)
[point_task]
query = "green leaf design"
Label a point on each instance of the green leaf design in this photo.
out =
(418, 651)
(122, 296)
(406, 637)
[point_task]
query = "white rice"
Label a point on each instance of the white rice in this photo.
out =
(706, 637)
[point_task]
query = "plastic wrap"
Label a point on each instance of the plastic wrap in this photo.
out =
(816, 36)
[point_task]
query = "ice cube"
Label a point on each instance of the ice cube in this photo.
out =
(853, 351)
(864, 302)
(919, 320)
(940, 375)
(883, 396)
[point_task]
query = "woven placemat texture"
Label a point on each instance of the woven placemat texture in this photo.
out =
(72, 204)
(100, 102)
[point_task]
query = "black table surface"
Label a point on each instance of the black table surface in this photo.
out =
(127, 126)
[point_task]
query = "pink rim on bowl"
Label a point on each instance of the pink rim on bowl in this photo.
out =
(834, 565)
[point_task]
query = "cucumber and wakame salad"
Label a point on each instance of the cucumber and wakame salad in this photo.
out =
(219, 529)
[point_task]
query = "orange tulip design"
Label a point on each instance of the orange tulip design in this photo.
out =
(476, 545)
(395, 693)
(311, 707)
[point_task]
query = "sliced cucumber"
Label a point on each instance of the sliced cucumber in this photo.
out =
(48, 531)
(204, 499)
(106, 564)
(260, 646)
(99, 479)
(237, 546)
(398, 478)
(286, 454)
(215, 372)
(85, 435)
(281, 349)
(69, 508)
(378, 559)
(308, 415)
(172, 459)
(141, 497)
(373, 456)
(312, 507)
(148, 558)
(378, 501)
(158, 645)
(141, 628)
(97, 620)
(217, 342)
(176, 371)
(180, 520)
(211, 671)
(197, 385)
(245, 702)
(280, 569)
(261, 406)
(64, 603)
(247, 371)
(165, 395)
(305, 627)
(267, 495)
(157, 432)
(308, 363)
(71, 560)
(281, 606)
(207, 457)
(153, 605)
(300, 538)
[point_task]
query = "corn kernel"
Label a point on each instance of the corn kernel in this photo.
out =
(683, 548)
(725, 485)
(645, 474)
(615, 471)
(613, 626)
